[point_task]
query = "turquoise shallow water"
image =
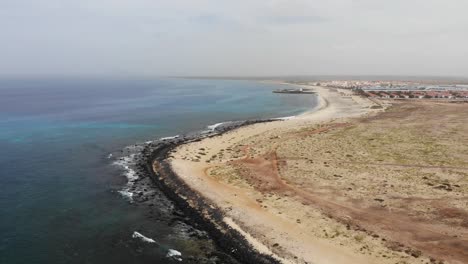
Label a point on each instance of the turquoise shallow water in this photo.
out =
(59, 200)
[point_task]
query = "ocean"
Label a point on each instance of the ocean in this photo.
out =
(62, 196)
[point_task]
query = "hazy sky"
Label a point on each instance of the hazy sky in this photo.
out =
(241, 37)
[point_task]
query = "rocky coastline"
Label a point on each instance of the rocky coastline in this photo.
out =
(197, 211)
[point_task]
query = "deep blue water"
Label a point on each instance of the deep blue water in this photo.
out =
(59, 200)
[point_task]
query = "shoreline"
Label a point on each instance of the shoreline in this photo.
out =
(231, 237)
(204, 214)
(243, 212)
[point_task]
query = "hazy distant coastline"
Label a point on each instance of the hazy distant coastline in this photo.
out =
(318, 78)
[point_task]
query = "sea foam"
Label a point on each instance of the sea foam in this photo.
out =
(142, 237)
(174, 254)
(214, 126)
(131, 175)
(167, 138)
(127, 194)
(285, 118)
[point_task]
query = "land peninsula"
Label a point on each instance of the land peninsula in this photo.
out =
(354, 181)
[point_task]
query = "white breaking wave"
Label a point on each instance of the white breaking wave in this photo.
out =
(109, 156)
(174, 254)
(171, 253)
(124, 163)
(167, 138)
(131, 175)
(213, 127)
(127, 194)
(142, 237)
(285, 118)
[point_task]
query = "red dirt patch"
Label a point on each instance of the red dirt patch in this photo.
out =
(262, 172)
(411, 233)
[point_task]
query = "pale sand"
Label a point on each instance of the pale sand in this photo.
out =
(267, 230)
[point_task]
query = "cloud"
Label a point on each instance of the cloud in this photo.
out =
(289, 20)
(207, 19)
(242, 37)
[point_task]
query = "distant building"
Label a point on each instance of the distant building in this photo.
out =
(384, 95)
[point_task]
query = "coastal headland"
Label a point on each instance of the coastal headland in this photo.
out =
(353, 181)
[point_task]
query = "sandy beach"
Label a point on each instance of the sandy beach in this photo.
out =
(311, 189)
